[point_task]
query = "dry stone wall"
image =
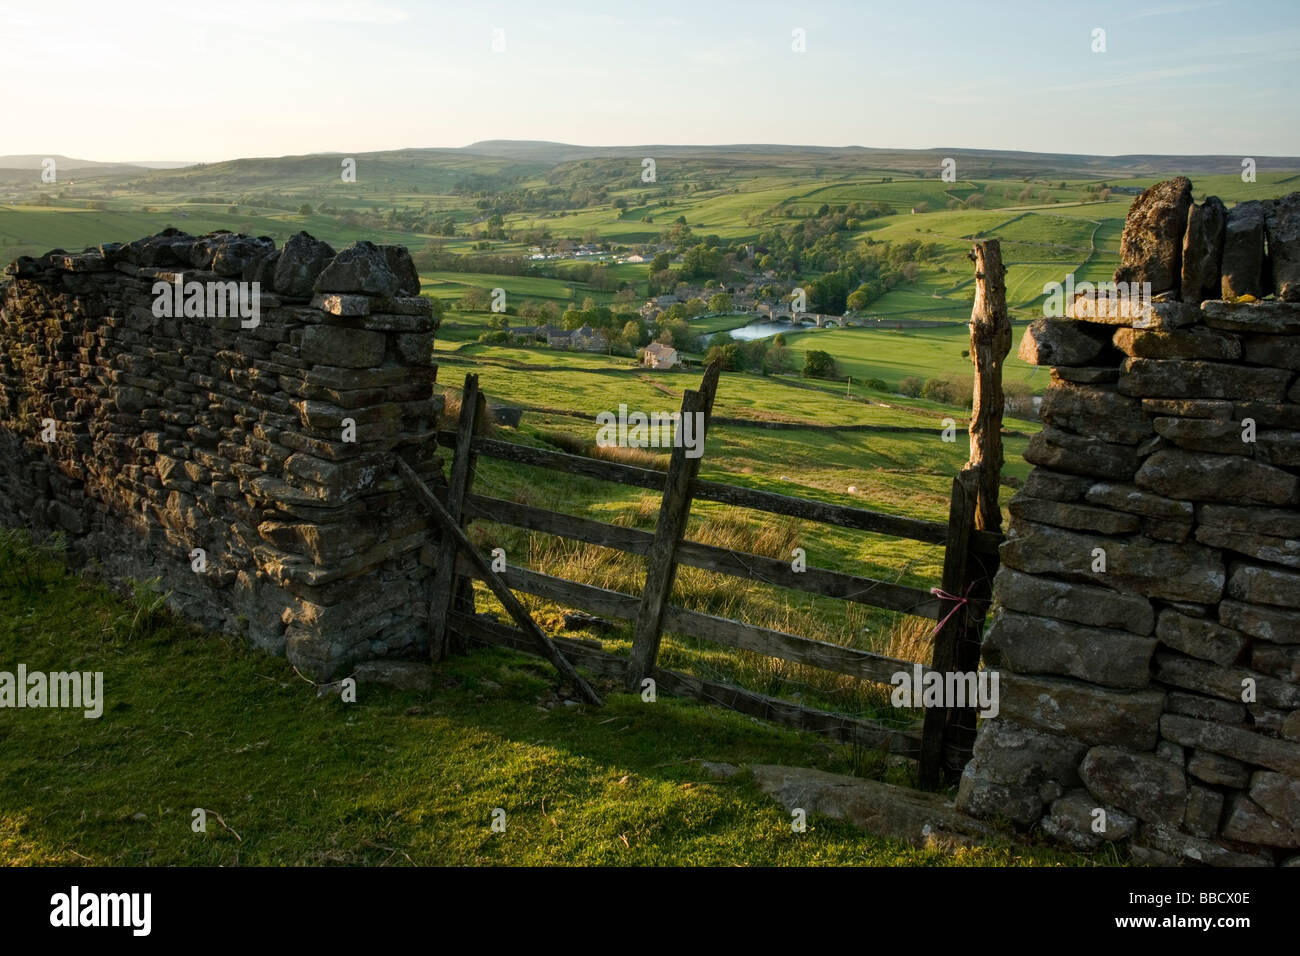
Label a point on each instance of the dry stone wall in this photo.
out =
(1147, 622)
(244, 457)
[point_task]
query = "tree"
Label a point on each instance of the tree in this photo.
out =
(304, 210)
(659, 263)
(719, 302)
(728, 355)
(910, 386)
(779, 358)
(633, 333)
(819, 364)
(701, 262)
(474, 300)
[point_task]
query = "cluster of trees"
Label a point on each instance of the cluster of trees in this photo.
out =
(943, 390)
(765, 356)
(1019, 395)
(819, 364)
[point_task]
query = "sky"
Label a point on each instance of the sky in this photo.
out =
(233, 78)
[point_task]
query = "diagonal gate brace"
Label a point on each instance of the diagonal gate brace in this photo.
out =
(498, 586)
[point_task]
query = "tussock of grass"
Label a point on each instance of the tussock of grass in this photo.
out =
(576, 445)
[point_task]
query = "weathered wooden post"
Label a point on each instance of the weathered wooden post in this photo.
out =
(990, 342)
(449, 590)
(674, 512)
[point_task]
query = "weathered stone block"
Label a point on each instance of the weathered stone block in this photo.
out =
(1074, 820)
(1243, 251)
(1205, 708)
(1039, 645)
(361, 267)
(1248, 822)
(1235, 742)
(1217, 769)
(1151, 246)
(1070, 515)
(1096, 412)
(1203, 250)
(1044, 483)
(342, 347)
(1214, 435)
(1282, 662)
(1269, 317)
(1279, 351)
(1195, 343)
(1085, 375)
(1282, 226)
(1278, 795)
(1081, 455)
(301, 261)
(1160, 378)
(1063, 342)
(1183, 847)
(1080, 603)
(1112, 310)
(1204, 639)
(1225, 478)
(342, 305)
(1204, 809)
(1268, 534)
(1172, 572)
(1090, 714)
(1225, 682)
(1141, 784)
(1263, 585)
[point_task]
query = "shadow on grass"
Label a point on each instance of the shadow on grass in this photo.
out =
(193, 721)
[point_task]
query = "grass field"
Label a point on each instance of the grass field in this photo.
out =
(394, 779)
(892, 355)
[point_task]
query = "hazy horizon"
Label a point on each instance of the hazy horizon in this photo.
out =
(169, 162)
(178, 84)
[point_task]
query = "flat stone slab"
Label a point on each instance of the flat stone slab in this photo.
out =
(897, 813)
(399, 675)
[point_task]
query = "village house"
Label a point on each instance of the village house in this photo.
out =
(535, 331)
(587, 339)
(659, 356)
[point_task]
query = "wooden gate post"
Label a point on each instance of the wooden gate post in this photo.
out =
(448, 588)
(948, 636)
(990, 342)
(675, 510)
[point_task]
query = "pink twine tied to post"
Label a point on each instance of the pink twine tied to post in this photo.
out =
(958, 604)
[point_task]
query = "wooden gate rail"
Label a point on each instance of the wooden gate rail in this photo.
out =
(865, 665)
(813, 580)
(835, 726)
(842, 516)
(452, 531)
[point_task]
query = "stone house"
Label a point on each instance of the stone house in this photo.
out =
(660, 356)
